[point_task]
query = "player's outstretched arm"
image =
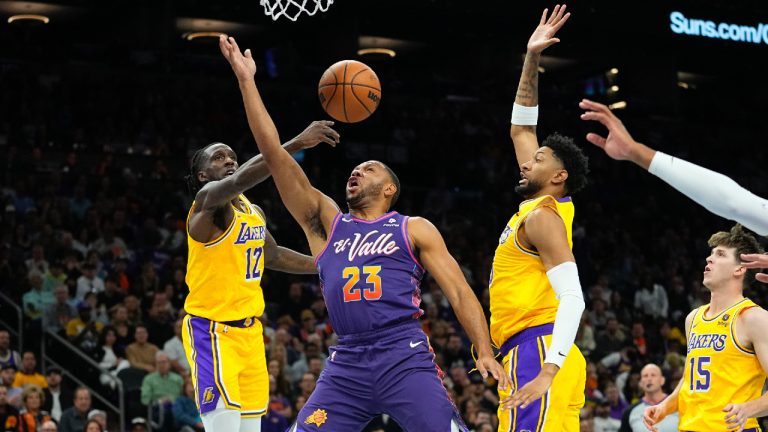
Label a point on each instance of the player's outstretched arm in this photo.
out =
(754, 321)
(255, 170)
(544, 230)
(655, 414)
(714, 191)
(311, 209)
(286, 260)
(443, 267)
(526, 109)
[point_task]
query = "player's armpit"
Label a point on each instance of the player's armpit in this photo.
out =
(545, 231)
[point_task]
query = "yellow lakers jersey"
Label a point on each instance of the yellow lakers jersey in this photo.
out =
(521, 295)
(718, 370)
(224, 275)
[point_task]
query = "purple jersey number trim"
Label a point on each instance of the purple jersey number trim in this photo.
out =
(369, 275)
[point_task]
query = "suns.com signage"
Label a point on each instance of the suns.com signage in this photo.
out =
(681, 24)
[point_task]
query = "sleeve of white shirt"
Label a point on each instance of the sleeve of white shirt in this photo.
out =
(714, 191)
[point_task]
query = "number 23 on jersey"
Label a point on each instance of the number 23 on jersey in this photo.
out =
(371, 290)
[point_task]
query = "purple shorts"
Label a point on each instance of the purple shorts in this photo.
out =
(389, 371)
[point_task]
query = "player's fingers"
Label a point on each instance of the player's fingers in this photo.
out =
(594, 115)
(554, 14)
(543, 16)
(596, 140)
(233, 42)
(248, 53)
(762, 277)
(481, 368)
(727, 407)
(562, 21)
(561, 13)
(332, 133)
(594, 106)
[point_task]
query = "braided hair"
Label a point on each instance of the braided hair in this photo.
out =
(193, 183)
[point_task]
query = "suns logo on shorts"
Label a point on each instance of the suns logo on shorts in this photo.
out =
(317, 418)
(208, 395)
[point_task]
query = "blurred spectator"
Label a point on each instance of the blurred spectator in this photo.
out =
(54, 277)
(185, 412)
(8, 376)
(273, 421)
(8, 357)
(651, 381)
(599, 315)
(88, 282)
(100, 417)
(123, 330)
(75, 417)
(133, 310)
(28, 374)
(6, 409)
(615, 402)
(58, 315)
(652, 301)
(58, 397)
(585, 337)
(454, 352)
(112, 295)
(142, 354)
(93, 426)
(612, 339)
(49, 426)
(83, 331)
(307, 385)
(36, 301)
(32, 417)
(160, 318)
(603, 421)
(110, 358)
(139, 424)
(37, 263)
(175, 350)
(98, 311)
(278, 401)
(163, 385)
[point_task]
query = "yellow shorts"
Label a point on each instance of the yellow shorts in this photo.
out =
(227, 363)
(558, 410)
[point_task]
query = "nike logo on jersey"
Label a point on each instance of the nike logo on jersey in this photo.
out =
(346, 220)
(414, 345)
(561, 353)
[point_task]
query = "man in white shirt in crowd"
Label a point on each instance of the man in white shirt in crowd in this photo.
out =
(175, 351)
(88, 282)
(58, 397)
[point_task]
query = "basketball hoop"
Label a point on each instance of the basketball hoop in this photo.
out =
(291, 9)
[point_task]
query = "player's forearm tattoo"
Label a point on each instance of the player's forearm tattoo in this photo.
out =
(528, 88)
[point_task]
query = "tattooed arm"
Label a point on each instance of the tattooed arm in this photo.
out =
(524, 136)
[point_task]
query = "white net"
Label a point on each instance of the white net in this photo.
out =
(291, 9)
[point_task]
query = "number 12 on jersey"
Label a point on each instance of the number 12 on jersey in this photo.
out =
(252, 258)
(372, 290)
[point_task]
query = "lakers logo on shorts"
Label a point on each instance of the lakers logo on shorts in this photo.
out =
(208, 395)
(248, 322)
(317, 418)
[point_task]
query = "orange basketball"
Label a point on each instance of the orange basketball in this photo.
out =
(349, 91)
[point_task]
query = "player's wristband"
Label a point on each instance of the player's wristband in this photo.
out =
(525, 116)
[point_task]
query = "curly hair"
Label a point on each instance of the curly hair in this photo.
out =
(193, 183)
(573, 159)
(743, 242)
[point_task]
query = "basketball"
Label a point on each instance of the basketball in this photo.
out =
(349, 91)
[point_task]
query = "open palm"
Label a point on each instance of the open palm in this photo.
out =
(619, 144)
(242, 63)
(544, 35)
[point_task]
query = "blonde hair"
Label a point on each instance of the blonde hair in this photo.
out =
(33, 388)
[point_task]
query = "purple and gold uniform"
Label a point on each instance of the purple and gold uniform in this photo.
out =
(383, 363)
(523, 309)
(222, 335)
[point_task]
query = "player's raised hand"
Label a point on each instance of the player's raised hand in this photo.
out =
(317, 132)
(652, 416)
(756, 261)
(544, 35)
(736, 416)
(530, 392)
(242, 63)
(485, 364)
(619, 144)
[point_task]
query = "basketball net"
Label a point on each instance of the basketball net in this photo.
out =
(291, 9)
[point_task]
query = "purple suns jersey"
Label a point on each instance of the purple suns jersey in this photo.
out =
(369, 275)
